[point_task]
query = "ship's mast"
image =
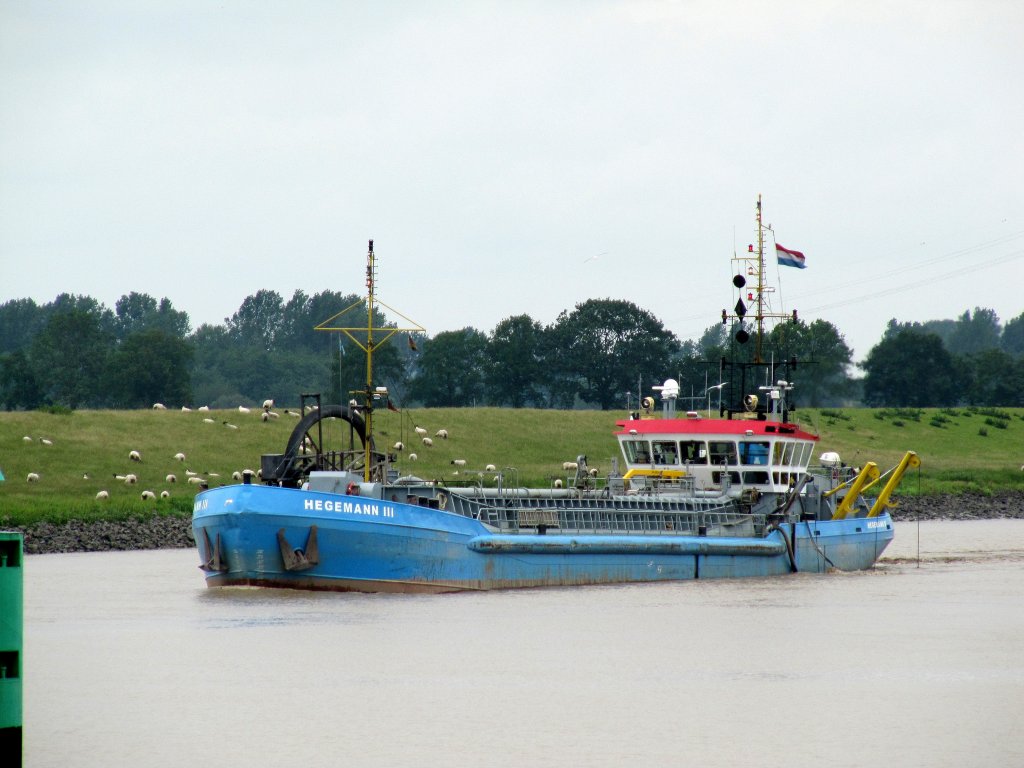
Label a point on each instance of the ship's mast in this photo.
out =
(370, 393)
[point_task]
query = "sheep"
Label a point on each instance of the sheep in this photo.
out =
(490, 468)
(569, 466)
(196, 480)
(85, 475)
(102, 495)
(33, 477)
(209, 421)
(265, 416)
(134, 456)
(213, 474)
(190, 473)
(459, 462)
(229, 425)
(45, 441)
(558, 483)
(179, 456)
(236, 476)
(186, 409)
(171, 478)
(204, 408)
(420, 431)
(292, 413)
(427, 442)
(271, 415)
(130, 479)
(268, 404)
(413, 457)
(399, 446)
(27, 439)
(442, 433)
(159, 407)
(165, 494)
(148, 496)
(593, 472)
(242, 409)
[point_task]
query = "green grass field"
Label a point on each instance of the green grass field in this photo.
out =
(961, 450)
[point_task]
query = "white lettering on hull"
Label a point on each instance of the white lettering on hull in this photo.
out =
(367, 509)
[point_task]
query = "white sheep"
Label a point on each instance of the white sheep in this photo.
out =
(148, 496)
(26, 439)
(490, 468)
(236, 476)
(420, 431)
(442, 433)
(399, 446)
(159, 407)
(196, 480)
(45, 441)
(186, 409)
(101, 495)
(558, 483)
(204, 408)
(209, 421)
(229, 425)
(171, 478)
(33, 477)
(459, 462)
(134, 456)
(268, 404)
(271, 414)
(265, 416)
(413, 457)
(242, 409)
(179, 456)
(165, 494)
(130, 479)
(190, 473)
(427, 442)
(569, 466)
(593, 471)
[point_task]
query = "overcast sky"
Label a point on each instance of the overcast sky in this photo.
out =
(516, 157)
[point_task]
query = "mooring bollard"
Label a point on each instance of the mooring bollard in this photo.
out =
(11, 638)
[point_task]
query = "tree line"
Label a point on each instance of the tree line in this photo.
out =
(75, 352)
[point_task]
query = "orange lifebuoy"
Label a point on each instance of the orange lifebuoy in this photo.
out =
(352, 489)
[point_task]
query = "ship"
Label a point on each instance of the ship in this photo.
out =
(735, 494)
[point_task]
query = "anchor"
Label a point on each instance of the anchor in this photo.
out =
(214, 561)
(296, 559)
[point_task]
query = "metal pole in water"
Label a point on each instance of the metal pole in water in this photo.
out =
(11, 638)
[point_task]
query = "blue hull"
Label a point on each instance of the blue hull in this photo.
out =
(248, 534)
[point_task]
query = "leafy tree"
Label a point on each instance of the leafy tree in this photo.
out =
(451, 370)
(911, 369)
(258, 320)
(152, 366)
(515, 365)
(1012, 340)
(20, 321)
(18, 385)
(822, 356)
(996, 379)
(974, 333)
(606, 345)
(136, 312)
(69, 358)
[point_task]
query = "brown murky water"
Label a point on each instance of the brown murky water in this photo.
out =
(130, 660)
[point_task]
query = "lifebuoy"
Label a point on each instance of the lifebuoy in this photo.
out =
(352, 489)
(442, 500)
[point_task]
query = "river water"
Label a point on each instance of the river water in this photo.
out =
(130, 660)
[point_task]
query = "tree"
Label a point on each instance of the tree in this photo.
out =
(822, 356)
(911, 369)
(451, 370)
(974, 333)
(152, 366)
(137, 312)
(69, 359)
(606, 345)
(514, 362)
(996, 379)
(18, 385)
(20, 321)
(1012, 340)
(258, 320)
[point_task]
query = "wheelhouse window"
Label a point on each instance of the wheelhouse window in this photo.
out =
(666, 452)
(693, 451)
(754, 453)
(722, 452)
(637, 451)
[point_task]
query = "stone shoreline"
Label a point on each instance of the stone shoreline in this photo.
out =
(176, 532)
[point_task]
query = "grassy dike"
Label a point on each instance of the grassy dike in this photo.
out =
(973, 451)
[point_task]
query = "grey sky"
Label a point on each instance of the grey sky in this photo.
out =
(203, 151)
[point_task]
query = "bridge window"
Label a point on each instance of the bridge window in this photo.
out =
(755, 453)
(637, 451)
(666, 452)
(723, 452)
(694, 451)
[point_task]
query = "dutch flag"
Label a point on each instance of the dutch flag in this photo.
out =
(788, 258)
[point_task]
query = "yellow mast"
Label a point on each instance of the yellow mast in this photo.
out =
(369, 392)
